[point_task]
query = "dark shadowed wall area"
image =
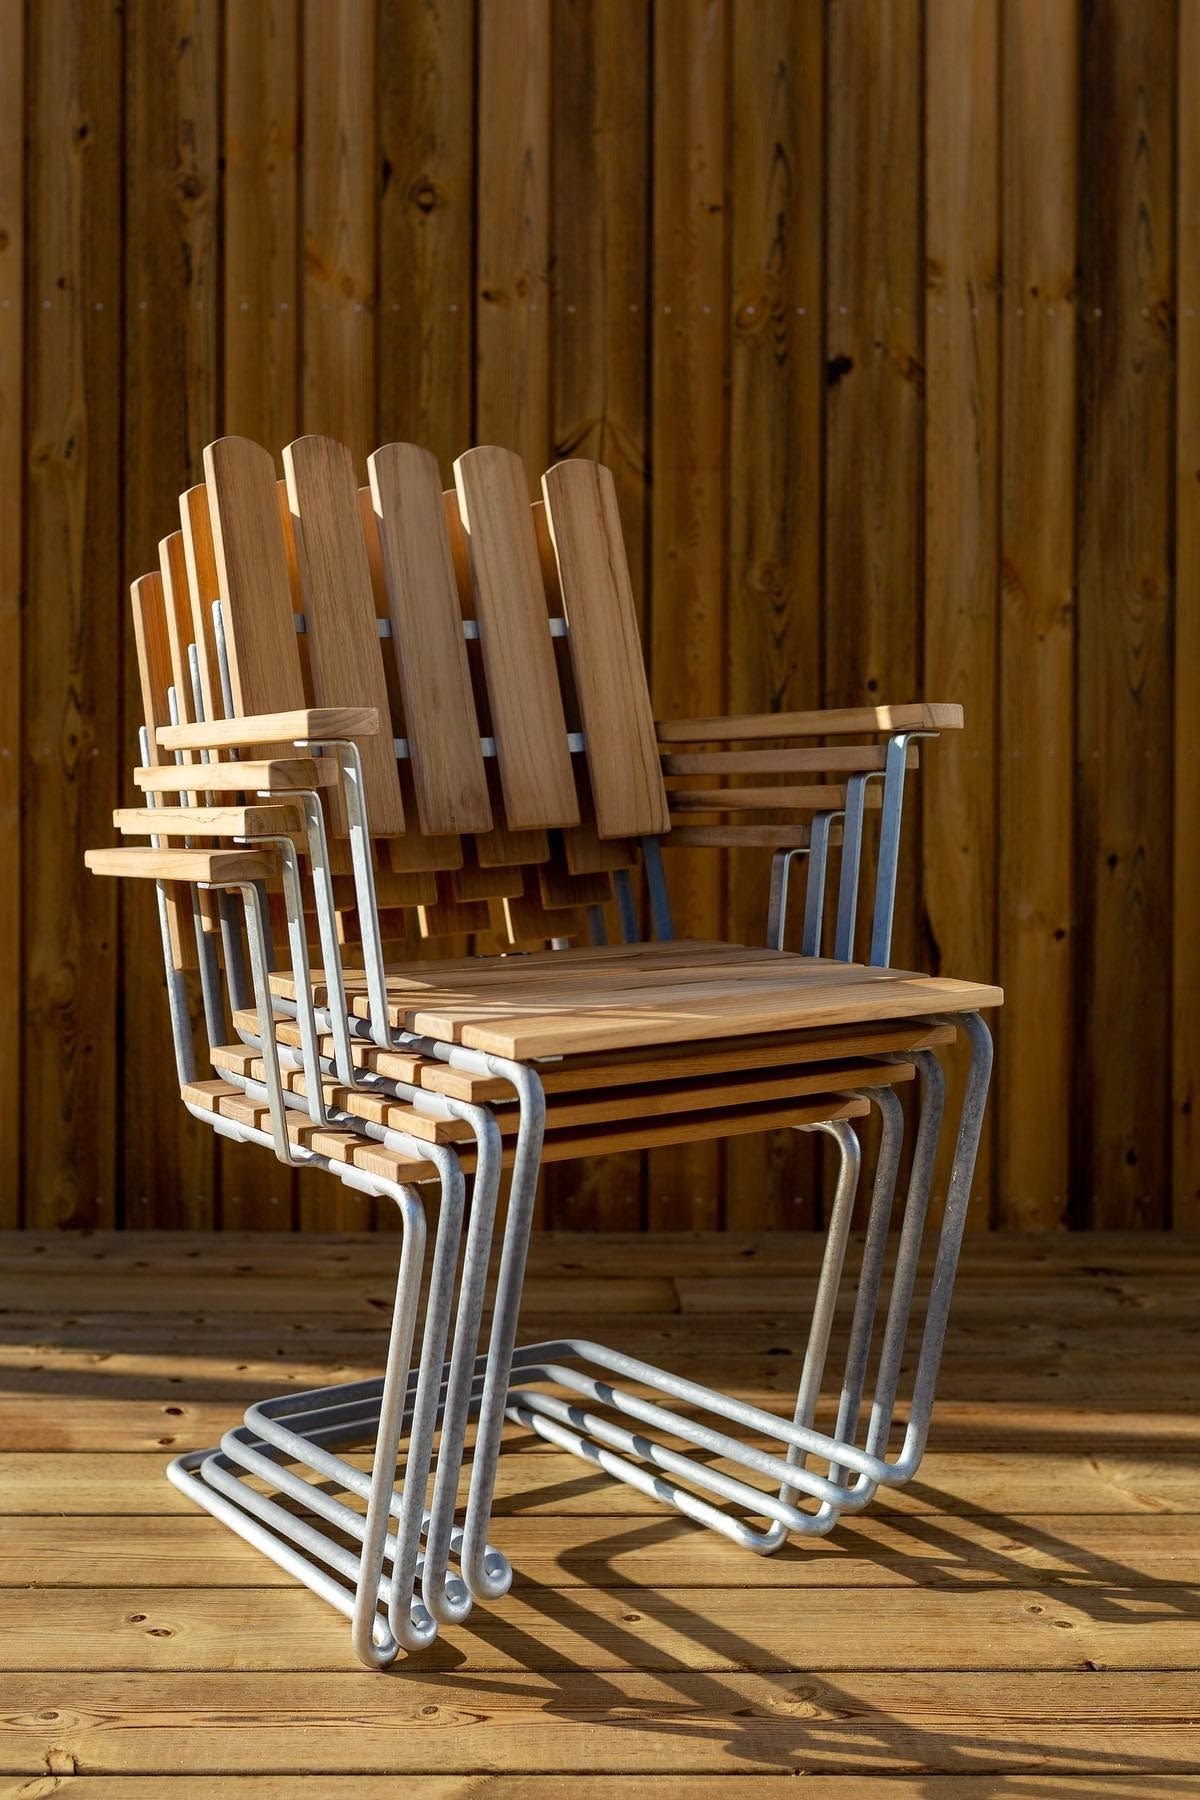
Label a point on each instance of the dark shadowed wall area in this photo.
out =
(885, 314)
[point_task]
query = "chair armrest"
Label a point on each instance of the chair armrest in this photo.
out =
(276, 775)
(309, 725)
(220, 868)
(845, 721)
(282, 820)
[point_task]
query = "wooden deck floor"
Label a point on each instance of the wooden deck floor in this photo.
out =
(1024, 1620)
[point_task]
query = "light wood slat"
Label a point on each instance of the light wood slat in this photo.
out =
(218, 866)
(646, 1103)
(297, 724)
(427, 641)
(1123, 807)
(416, 850)
(518, 654)
(71, 643)
(1185, 1046)
(280, 775)
(566, 1552)
(1037, 814)
(606, 649)
(848, 721)
(172, 566)
(211, 821)
(164, 1629)
(264, 663)
(335, 583)
(151, 639)
(378, 1109)
(204, 586)
(669, 1016)
(711, 1735)
(325, 1140)
(153, 655)
(833, 759)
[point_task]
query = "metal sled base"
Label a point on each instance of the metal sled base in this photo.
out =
(670, 1438)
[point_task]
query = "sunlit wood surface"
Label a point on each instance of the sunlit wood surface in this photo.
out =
(1024, 1620)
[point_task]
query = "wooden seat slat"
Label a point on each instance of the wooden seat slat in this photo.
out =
(669, 1016)
(327, 1140)
(515, 643)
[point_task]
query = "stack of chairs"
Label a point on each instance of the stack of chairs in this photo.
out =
(382, 722)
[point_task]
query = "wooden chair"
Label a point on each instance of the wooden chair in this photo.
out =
(381, 717)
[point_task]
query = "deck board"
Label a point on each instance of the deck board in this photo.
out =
(1024, 1619)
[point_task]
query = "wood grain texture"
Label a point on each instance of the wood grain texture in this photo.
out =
(339, 223)
(1123, 805)
(344, 653)
(261, 367)
(171, 100)
(430, 654)
(255, 589)
(773, 629)
(12, 495)
(688, 432)
(1185, 1049)
(1036, 813)
(425, 81)
(605, 649)
(634, 1655)
(513, 163)
(507, 191)
(72, 649)
(962, 449)
(260, 310)
(514, 637)
(875, 376)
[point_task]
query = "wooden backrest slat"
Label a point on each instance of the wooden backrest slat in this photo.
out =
(153, 648)
(172, 566)
(606, 650)
(427, 640)
(518, 654)
(252, 575)
(339, 608)
(203, 588)
(153, 656)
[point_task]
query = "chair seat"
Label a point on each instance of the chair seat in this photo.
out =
(576, 1003)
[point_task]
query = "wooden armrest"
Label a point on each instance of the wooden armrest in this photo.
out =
(285, 820)
(282, 775)
(312, 723)
(842, 721)
(223, 868)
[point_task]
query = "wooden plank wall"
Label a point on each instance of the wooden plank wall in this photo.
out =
(884, 313)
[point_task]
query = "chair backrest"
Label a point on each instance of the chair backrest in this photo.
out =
(500, 639)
